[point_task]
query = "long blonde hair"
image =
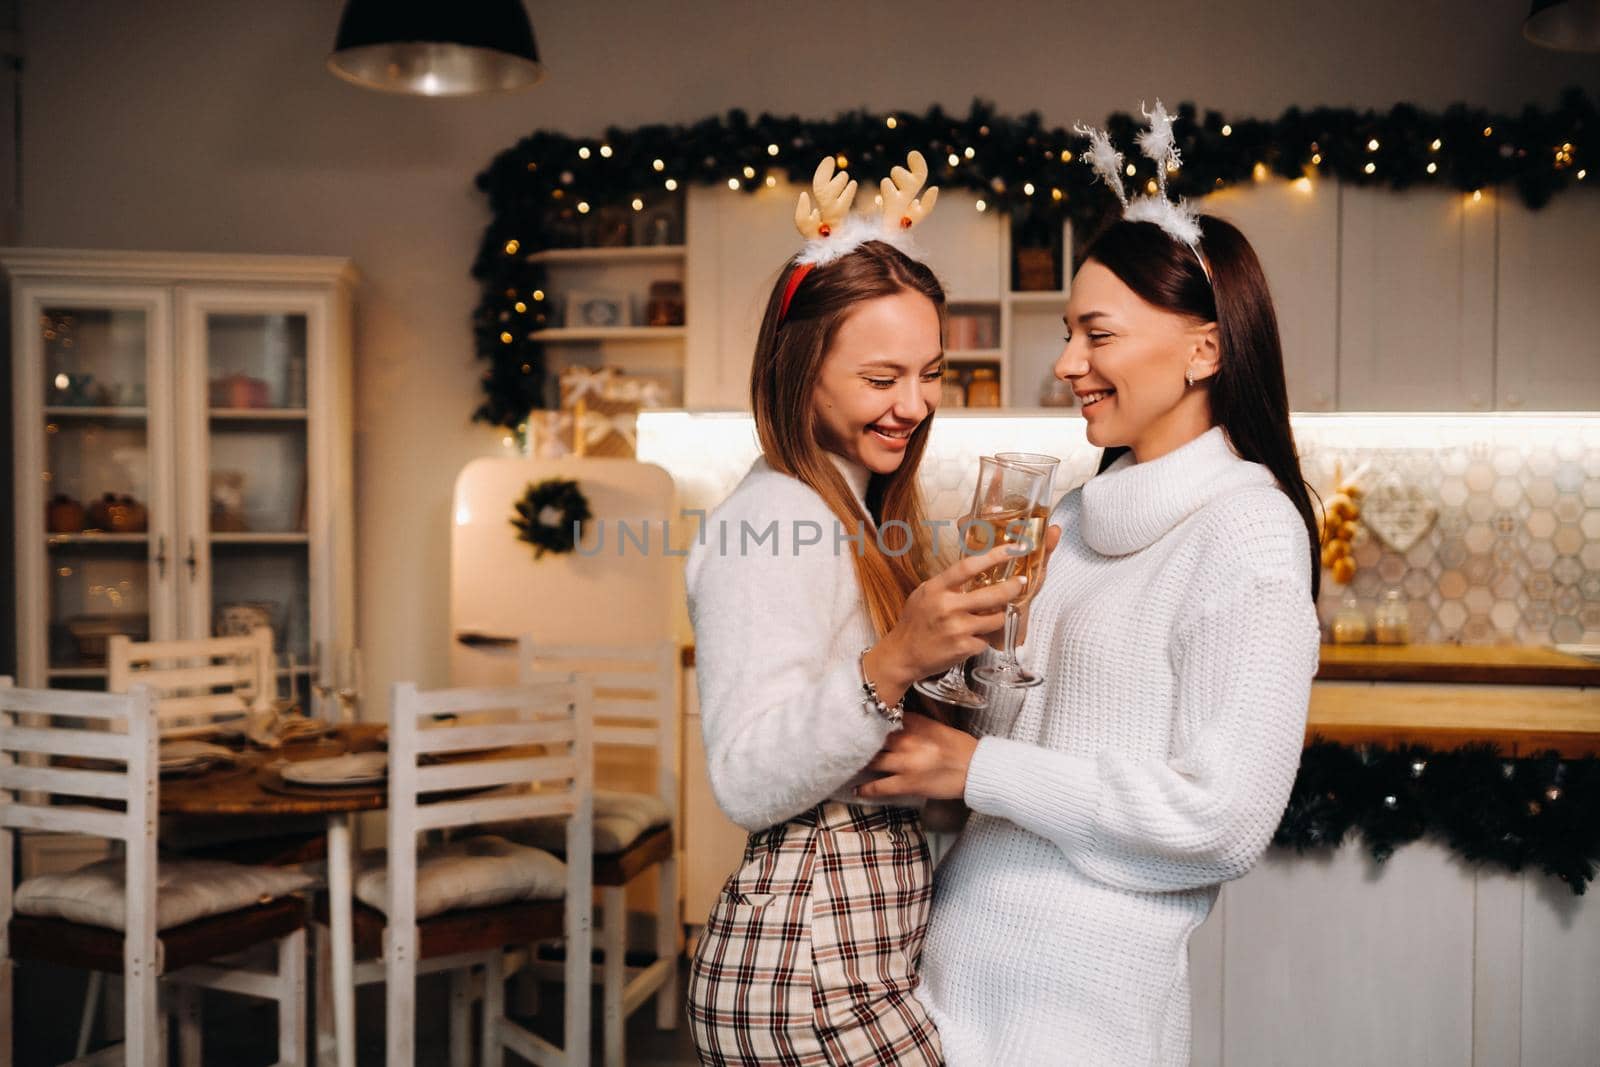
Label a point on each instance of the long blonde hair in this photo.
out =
(783, 376)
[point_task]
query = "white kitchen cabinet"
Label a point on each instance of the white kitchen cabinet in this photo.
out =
(1426, 300)
(1547, 336)
(1328, 958)
(210, 396)
(1294, 228)
(736, 244)
(1416, 304)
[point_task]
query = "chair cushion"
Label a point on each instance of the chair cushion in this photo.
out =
(473, 873)
(620, 819)
(186, 890)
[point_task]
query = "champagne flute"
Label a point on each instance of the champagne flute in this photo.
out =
(349, 691)
(1044, 463)
(291, 682)
(1019, 508)
(972, 530)
(322, 677)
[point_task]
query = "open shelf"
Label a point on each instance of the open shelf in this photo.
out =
(69, 411)
(259, 414)
(628, 254)
(97, 538)
(251, 538)
(562, 334)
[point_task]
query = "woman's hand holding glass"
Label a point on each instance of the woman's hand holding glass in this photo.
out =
(1010, 507)
(945, 621)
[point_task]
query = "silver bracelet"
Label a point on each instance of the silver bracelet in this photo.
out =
(894, 713)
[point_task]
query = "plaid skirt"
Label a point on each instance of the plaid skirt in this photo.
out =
(810, 954)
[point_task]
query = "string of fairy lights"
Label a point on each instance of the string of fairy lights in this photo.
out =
(544, 188)
(1537, 812)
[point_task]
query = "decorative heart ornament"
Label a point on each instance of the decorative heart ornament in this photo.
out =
(1398, 513)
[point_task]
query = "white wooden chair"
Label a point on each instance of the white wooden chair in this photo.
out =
(37, 793)
(412, 923)
(636, 706)
(202, 684)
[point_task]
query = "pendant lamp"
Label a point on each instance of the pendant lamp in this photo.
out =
(1565, 25)
(436, 47)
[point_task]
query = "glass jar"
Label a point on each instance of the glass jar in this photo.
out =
(1350, 623)
(984, 389)
(1391, 623)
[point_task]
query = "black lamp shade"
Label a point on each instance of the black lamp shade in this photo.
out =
(1565, 25)
(436, 47)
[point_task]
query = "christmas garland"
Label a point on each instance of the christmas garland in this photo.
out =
(548, 516)
(1539, 811)
(539, 187)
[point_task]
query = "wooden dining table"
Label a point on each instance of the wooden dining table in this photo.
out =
(251, 788)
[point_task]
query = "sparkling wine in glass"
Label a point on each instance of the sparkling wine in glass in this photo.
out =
(951, 686)
(1017, 513)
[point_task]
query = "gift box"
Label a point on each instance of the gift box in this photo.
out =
(604, 405)
(546, 434)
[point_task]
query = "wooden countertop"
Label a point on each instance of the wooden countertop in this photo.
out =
(1521, 699)
(1493, 665)
(1519, 720)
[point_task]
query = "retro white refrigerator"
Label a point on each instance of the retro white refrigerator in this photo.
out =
(621, 586)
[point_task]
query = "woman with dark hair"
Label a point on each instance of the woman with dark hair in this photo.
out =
(813, 614)
(1177, 634)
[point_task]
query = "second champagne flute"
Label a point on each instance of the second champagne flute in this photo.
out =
(1021, 515)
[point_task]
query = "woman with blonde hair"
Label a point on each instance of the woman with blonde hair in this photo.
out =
(814, 613)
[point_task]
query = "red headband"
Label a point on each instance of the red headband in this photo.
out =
(798, 276)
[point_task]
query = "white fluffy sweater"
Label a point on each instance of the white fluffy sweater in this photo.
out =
(1178, 639)
(779, 625)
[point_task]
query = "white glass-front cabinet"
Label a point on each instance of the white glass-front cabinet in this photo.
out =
(183, 453)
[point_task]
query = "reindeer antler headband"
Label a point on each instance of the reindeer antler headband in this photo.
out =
(831, 231)
(1177, 218)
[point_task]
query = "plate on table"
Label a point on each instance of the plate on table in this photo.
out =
(188, 756)
(352, 768)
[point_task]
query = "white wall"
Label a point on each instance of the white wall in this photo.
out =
(210, 125)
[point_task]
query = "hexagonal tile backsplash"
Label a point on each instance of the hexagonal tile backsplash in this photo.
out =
(1513, 556)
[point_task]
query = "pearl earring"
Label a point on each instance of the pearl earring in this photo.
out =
(1188, 377)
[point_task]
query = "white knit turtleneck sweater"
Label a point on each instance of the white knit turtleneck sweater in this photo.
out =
(1178, 640)
(778, 627)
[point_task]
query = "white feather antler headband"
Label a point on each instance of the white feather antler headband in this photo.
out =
(1177, 217)
(831, 231)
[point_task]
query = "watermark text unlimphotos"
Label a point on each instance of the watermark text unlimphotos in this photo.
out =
(620, 537)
